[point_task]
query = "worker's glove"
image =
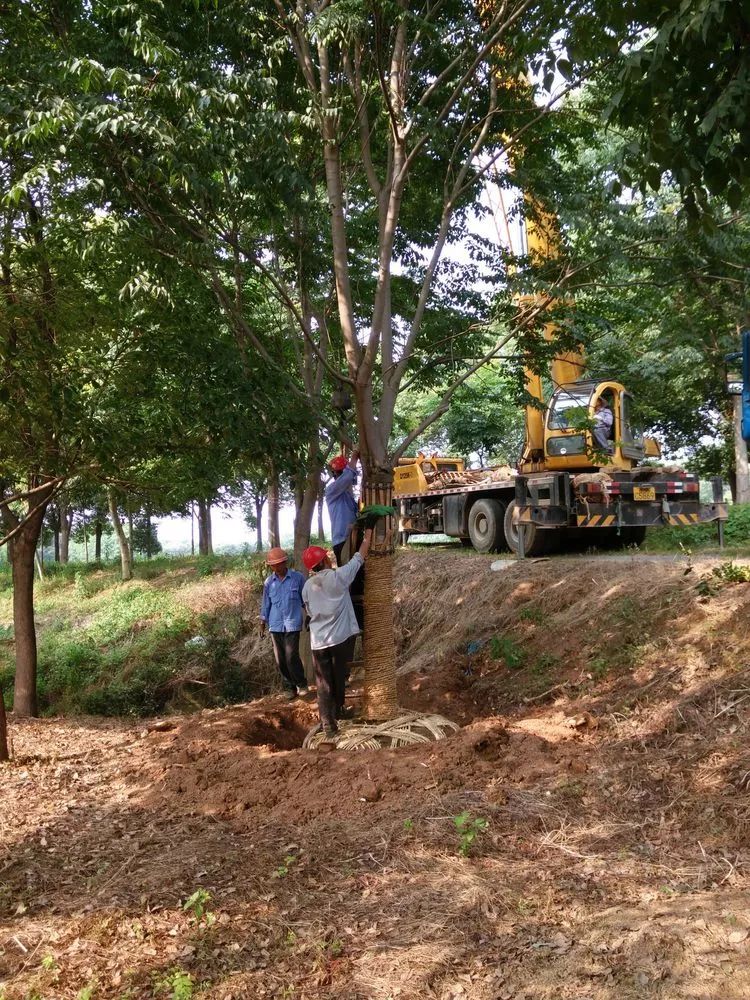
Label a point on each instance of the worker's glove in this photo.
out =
(369, 516)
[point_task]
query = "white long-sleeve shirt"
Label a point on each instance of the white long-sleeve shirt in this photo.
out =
(326, 597)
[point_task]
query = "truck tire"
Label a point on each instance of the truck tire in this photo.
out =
(486, 525)
(536, 541)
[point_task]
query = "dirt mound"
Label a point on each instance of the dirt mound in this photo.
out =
(625, 657)
(246, 763)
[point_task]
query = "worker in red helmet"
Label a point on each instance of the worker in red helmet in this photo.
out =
(282, 613)
(333, 624)
(339, 494)
(342, 510)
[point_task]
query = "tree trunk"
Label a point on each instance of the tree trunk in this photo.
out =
(66, 523)
(205, 542)
(24, 553)
(303, 520)
(259, 503)
(321, 527)
(273, 510)
(741, 468)
(122, 540)
(130, 533)
(148, 534)
(380, 699)
(4, 755)
(56, 535)
(98, 528)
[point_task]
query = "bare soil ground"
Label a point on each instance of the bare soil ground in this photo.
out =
(603, 766)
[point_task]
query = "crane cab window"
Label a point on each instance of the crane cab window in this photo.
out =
(569, 409)
(632, 433)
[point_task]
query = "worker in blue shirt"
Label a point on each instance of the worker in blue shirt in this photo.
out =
(339, 494)
(282, 613)
(342, 510)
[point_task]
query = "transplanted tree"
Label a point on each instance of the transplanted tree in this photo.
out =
(410, 118)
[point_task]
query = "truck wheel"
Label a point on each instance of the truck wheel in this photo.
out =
(486, 525)
(536, 541)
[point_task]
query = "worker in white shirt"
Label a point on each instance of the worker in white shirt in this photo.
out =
(332, 625)
(603, 420)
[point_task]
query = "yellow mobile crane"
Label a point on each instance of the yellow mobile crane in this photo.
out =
(566, 485)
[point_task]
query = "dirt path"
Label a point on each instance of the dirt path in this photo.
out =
(611, 817)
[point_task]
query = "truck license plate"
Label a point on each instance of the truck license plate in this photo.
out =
(644, 493)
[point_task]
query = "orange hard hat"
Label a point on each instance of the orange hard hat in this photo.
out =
(338, 464)
(276, 556)
(313, 556)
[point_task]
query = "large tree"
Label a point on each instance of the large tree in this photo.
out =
(414, 108)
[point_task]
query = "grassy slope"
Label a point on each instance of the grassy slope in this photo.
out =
(120, 649)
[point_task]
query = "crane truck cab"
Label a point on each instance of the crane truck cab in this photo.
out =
(569, 442)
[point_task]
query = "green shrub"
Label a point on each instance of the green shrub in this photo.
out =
(67, 666)
(131, 604)
(144, 691)
(698, 536)
(502, 648)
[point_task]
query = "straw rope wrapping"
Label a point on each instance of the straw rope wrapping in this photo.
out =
(379, 646)
(407, 730)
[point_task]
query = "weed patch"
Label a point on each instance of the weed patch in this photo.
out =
(505, 649)
(469, 828)
(131, 606)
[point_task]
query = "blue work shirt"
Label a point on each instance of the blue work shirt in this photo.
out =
(342, 507)
(281, 607)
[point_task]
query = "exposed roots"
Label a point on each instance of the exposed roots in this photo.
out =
(404, 731)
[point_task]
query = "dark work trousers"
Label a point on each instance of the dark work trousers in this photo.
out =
(357, 589)
(330, 677)
(286, 654)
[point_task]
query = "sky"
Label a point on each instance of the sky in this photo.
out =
(228, 529)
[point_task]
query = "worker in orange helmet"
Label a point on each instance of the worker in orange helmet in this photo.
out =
(282, 613)
(332, 626)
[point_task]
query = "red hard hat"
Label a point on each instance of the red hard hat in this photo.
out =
(276, 556)
(313, 556)
(338, 464)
